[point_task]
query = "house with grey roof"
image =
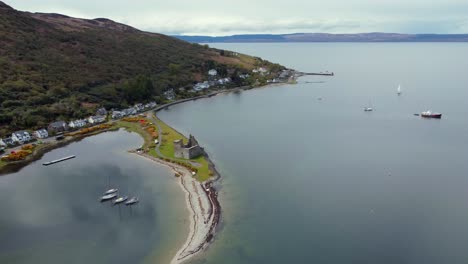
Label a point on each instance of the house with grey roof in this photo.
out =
(101, 111)
(79, 123)
(96, 119)
(41, 133)
(139, 107)
(117, 114)
(58, 126)
(7, 142)
(21, 136)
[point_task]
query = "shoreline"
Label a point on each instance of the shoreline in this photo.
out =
(203, 206)
(16, 166)
(201, 197)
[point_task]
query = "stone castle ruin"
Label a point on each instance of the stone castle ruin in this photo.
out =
(188, 151)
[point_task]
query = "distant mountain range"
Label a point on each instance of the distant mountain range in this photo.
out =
(325, 37)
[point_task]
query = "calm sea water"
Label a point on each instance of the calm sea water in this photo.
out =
(322, 181)
(52, 214)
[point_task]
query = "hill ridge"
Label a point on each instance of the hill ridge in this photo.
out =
(57, 67)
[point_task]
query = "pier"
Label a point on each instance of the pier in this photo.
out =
(316, 73)
(58, 160)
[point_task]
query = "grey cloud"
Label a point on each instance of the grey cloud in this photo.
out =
(214, 17)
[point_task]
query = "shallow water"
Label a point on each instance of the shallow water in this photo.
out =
(52, 214)
(322, 181)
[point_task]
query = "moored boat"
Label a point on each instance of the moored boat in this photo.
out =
(430, 114)
(368, 108)
(132, 201)
(120, 200)
(111, 191)
(108, 197)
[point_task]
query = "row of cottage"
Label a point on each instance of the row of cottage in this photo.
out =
(212, 74)
(207, 84)
(21, 137)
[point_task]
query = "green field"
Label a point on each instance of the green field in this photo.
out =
(167, 135)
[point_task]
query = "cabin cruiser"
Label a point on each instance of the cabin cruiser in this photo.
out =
(430, 114)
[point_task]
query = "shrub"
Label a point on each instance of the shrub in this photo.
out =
(18, 155)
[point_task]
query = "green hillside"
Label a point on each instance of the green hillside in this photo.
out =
(53, 66)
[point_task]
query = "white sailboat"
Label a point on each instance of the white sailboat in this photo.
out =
(399, 90)
(368, 108)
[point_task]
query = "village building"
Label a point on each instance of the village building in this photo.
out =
(224, 81)
(129, 111)
(58, 126)
(7, 142)
(260, 70)
(41, 133)
(201, 86)
(117, 114)
(96, 119)
(21, 136)
(212, 72)
(101, 112)
(77, 123)
(188, 151)
(151, 105)
(170, 94)
(139, 107)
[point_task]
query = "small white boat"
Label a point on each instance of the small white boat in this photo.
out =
(108, 197)
(120, 200)
(132, 201)
(111, 191)
(399, 90)
(368, 108)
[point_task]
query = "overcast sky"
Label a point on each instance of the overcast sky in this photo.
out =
(217, 17)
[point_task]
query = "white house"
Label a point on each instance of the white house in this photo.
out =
(260, 70)
(170, 94)
(96, 119)
(7, 142)
(212, 72)
(129, 111)
(20, 136)
(139, 107)
(41, 133)
(201, 86)
(77, 123)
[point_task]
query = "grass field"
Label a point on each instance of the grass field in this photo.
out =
(167, 135)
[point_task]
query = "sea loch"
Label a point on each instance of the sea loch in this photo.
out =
(322, 181)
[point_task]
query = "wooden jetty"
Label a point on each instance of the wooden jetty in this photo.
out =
(58, 160)
(318, 73)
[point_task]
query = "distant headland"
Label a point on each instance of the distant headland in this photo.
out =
(327, 37)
